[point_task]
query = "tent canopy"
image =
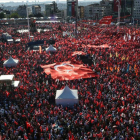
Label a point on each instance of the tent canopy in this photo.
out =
(6, 77)
(66, 97)
(66, 93)
(51, 49)
(15, 83)
(10, 62)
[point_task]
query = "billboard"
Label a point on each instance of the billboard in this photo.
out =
(71, 8)
(74, 8)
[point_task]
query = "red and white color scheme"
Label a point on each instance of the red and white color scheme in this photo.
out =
(106, 20)
(67, 71)
(78, 53)
(96, 46)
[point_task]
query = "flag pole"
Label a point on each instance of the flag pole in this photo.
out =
(76, 18)
(119, 8)
(28, 20)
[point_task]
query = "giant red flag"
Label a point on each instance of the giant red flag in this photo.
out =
(68, 71)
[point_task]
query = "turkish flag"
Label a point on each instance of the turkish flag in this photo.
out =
(68, 71)
(78, 53)
(28, 124)
(25, 137)
(7, 93)
(15, 123)
(106, 20)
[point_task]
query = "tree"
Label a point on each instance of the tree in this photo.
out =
(2, 15)
(14, 15)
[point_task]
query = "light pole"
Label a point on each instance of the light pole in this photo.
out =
(76, 18)
(28, 20)
(119, 11)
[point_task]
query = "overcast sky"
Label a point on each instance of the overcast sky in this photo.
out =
(4, 1)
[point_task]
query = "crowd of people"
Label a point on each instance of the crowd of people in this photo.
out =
(109, 104)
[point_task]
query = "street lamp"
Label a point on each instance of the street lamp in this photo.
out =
(119, 11)
(28, 20)
(76, 18)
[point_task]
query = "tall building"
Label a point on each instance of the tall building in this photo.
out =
(136, 10)
(81, 12)
(98, 10)
(22, 11)
(29, 10)
(106, 7)
(36, 9)
(51, 9)
(71, 8)
(126, 6)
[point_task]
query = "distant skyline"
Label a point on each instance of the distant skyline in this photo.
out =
(5, 1)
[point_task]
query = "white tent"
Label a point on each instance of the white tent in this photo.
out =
(51, 49)
(6, 77)
(15, 83)
(66, 97)
(10, 62)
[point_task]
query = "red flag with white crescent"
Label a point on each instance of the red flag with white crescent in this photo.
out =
(68, 71)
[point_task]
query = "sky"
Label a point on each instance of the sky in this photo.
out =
(4, 1)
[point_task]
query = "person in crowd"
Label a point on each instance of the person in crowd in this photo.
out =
(109, 106)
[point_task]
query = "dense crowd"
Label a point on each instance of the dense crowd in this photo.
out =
(109, 105)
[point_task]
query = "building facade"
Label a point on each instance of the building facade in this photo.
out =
(60, 13)
(98, 10)
(22, 11)
(93, 11)
(71, 8)
(51, 9)
(136, 10)
(81, 12)
(127, 7)
(36, 9)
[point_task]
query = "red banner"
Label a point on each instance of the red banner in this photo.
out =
(78, 53)
(116, 3)
(68, 71)
(106, 20)
(95, 46)
(73, 9)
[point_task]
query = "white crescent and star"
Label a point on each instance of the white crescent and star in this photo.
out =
(63, 64)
